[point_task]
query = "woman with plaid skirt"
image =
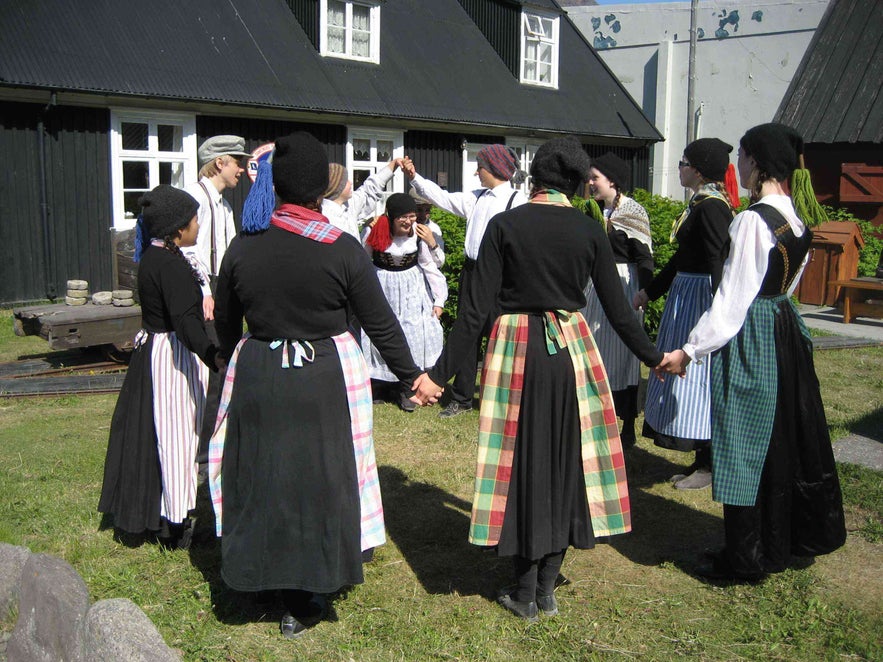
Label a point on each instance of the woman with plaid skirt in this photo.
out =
(550, 469)
(773, 466)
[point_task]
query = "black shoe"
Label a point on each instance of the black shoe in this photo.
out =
(718, 567)
(454, 408)
(406, 404)
(291, 627)
(547, 604)
(526, 610)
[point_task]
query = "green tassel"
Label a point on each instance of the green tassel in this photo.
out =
(593, 210)
(804, 198)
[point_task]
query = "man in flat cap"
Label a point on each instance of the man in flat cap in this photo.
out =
(221, 164)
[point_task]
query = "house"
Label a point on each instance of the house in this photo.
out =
(747, 52)
(835, 101)
(101, 100)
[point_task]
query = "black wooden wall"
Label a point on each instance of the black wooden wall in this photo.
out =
(77, 200)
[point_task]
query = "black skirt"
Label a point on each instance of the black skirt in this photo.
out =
(132, 488)
(799, 507)
(291, 498)
(547, 509)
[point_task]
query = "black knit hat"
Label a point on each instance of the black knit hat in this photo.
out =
(165, 210)
(399, 204)
(614, 169)
(300, 168)
(710, 157)
(776, 149)
(561, 164)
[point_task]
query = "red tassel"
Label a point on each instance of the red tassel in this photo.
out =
(380, 238)
(732, 187)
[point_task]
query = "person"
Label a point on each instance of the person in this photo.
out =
(222, 162)
(414, 287)
(428, 230)
(551, 470)
(497, 164)
(344, 207)
(150, 468)
(220, 168)
(773, 466)
(291, 469)
(628, 230)
(677, 413)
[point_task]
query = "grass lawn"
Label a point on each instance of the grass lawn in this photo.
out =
(428, 595)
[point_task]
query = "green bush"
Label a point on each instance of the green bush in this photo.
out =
(873, 236)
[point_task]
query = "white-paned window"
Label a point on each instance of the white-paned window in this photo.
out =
(350, 29)
(539, 49)
(368, 150)
(525, 152)
(148, 149)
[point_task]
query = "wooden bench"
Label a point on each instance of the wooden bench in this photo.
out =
(855, 295)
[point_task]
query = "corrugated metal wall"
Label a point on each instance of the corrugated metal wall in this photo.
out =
(434, 153)
(639, 158)
(258, 132)
(77, 196)
(307, 14)
(499, 22)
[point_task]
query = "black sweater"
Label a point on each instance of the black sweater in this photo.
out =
(703, 245)
(290, 287)
(172, 301)
(537, 258)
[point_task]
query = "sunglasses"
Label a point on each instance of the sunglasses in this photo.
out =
(683, 164)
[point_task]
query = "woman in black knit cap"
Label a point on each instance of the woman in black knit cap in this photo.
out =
(150, 470)
(773, 466)
(291, 464)
(551, 471)
(677, 412)
(628, 230)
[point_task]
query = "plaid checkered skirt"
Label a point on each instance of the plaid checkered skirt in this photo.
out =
(502, 383)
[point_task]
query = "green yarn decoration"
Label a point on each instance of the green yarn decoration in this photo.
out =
(593, 210)
(804, 198)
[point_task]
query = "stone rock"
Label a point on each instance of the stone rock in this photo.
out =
(78, 285)
(12, 561)
(52, 607)
(117, 629)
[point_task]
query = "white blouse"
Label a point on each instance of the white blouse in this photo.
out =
(744, 271)
(401, 246)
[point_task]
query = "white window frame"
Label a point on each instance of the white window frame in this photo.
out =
(531, 24)
(373, 164)
(374, 7)
(152, 155)
(526, 149)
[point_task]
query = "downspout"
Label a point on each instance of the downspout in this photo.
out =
(48, 270)
(691, 80)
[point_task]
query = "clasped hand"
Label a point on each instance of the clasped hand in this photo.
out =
(426, 391)
(673, 363)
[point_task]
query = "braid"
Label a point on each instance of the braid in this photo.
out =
(758, 185)
(170, 245)
(613, 209)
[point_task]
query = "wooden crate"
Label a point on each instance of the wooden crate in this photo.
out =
(834, 255)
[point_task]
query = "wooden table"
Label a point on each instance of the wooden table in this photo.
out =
(855, 293)
(69, 327)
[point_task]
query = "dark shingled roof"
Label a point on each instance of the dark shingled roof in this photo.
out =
(436, 66)
(835, 96)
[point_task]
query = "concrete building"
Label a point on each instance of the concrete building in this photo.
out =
(746, 55)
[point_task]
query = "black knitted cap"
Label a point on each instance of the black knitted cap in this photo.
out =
(300, 168)
(614, 169)
(775, 147)
(710, 157)
(165, 210)
(399, 204)
(561, 164)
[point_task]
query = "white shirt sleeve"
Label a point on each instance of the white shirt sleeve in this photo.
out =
(364, 199)
(459, 204)
(743, 273)
(438, 285)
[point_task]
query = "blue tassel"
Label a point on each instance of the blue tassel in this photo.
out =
(141, 238)
(261, 201)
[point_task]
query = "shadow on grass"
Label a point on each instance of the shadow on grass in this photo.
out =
(663, 529)
(870, 425)
(430, 527)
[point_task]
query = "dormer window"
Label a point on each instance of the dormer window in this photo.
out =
(350, 29)
(539, 49)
